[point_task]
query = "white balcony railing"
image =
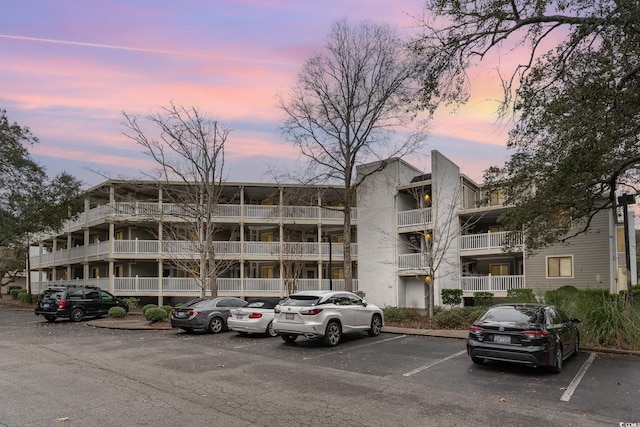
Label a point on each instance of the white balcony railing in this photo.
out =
(418, 261)
(186, 248)
(415, 217)
(489, 241)
(147, 211)
(191, 287)
(492, 283)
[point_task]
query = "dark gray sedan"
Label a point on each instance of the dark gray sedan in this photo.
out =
(208, 314)
(530, 334)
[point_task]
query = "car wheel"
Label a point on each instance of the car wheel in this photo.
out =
(77, 315)
(576, 347)
(50, 318)
(556, 368)
(376, 326)
(477, 360)
(332, 334)
(215, 325)
(289, 338)
(270, 331)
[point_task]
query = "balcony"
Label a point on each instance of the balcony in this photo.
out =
(152, 249)
(489, 242)
(182, 286)
(225, 213)
(415, 219)
(490, 283)
(417, 263)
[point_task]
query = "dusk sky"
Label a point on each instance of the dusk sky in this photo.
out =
(68, 70)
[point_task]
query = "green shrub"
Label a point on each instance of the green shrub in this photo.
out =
(147, 307)
(117, 312)
(155, 314)
(167, 308)
(451, 296)
(11, 287)
(521, 295)
(457, 317)
(15, 292)
(23, 296)
(132, 302)
(561, 296)
(605, 320)
(483, 299)
(450, 319)
(399, 314)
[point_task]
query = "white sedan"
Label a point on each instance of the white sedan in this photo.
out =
(255, 318)
(326, 315)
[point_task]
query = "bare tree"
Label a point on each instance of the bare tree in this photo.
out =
(347, 105)
(189, 151)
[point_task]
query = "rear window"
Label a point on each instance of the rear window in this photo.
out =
(509, 314)
(261, 304)
(197, 303)
(301, 300)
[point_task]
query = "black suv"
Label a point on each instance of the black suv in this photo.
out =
(76, 303)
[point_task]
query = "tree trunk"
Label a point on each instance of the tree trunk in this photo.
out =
(348, 273)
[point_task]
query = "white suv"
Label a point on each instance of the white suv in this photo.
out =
(326, 315)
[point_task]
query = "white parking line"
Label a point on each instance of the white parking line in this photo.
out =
(422, 368)
(566, 396)
(358, 346)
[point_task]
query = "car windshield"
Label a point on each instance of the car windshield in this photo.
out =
(513, 314)
(301, 300)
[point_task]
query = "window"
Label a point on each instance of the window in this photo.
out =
(499, 269)
(560, 266)
(496, 198)
(119, 235)
(620, 238)
(266, 272)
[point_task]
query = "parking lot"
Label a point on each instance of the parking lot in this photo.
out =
(170, 378)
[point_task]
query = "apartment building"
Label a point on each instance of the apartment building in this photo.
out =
(272, 239)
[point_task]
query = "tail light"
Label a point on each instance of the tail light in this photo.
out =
(476, 329)
(276, 310)
(311, 312)
(255, 315)
(229, 315)
(193, 312)
(535, 334)
(62, 303)
(173, 311)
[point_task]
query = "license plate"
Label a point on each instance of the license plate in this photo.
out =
(239, 316)
(288, 316)
(180, 314)
(45, 305)
(502, 339)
